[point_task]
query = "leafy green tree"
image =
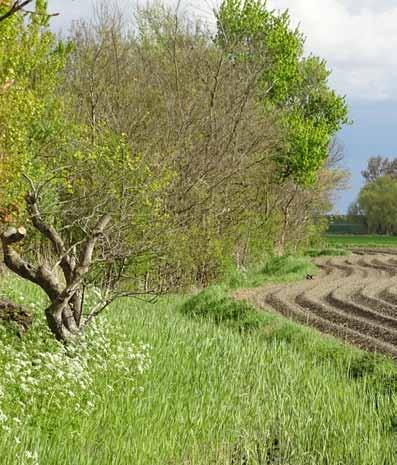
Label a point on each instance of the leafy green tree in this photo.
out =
(377, 200)
(11, 8)
(31, 124)
(295, 86)
(95, 214)
(151, 157)
(189, 105)
(92, 200)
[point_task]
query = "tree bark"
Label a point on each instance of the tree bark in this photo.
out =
(65, 310)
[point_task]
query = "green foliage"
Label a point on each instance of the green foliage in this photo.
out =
(377, 202)
(30, 119)
(362, 240)
(287, 265)
(81, 172)
(212, 395)
(306, 148)
(169, 110)
(277, 269)
(327, 252)
(297, 86)
(107, 172)
(147, 123)
(215, 304)
(253, 33)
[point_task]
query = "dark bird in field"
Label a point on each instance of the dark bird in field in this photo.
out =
(309, 276)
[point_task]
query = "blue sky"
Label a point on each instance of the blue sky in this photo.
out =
(373, 133)
(357, 38)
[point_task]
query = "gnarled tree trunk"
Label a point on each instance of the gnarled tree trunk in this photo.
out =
(65, 310)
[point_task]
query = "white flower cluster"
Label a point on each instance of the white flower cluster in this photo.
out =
(29, 458)
(39, 376)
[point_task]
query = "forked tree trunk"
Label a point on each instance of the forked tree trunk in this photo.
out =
(64, 314)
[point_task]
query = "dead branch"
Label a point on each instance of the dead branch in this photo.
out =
(16, 6)
(20, 6)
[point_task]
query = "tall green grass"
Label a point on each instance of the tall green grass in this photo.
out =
(277, 269)
(216, 305)
(277, 394)
(371, 240)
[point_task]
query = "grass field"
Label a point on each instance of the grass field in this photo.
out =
(276, 270)
(346, 240)
(225, 386)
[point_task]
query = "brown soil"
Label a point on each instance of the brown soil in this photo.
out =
(352, 298)
(11, 312)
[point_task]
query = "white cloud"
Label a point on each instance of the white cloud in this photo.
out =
(375, 5)
(69, 10)
(358, 38)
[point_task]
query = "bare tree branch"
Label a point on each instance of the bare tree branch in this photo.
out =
(88, 247)
(16, 6)
(19, 5)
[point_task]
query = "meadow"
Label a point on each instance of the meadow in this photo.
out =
(365, 240)
(153, 153)
(196, 379)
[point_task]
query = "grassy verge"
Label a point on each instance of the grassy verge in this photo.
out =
(281, 269)
(226, 386)
(327, 252)
(345, 240)
(277, 269)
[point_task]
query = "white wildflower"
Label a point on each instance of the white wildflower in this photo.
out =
(3, 417)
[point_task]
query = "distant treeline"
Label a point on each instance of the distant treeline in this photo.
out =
(376, 206)
(347, 224)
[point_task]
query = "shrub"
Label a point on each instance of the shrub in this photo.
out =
(215, 304)
(287, 265)
(277, 269)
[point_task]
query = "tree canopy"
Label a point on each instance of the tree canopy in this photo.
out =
(379, 166)
(378, 202)
(376, 205)
(152, 156)
(297, 86)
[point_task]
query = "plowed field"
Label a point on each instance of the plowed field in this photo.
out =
(352, 298)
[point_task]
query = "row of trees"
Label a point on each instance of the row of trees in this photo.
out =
(376, 205)
(156, 155)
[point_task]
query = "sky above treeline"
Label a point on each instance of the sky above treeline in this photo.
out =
(357, 38)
